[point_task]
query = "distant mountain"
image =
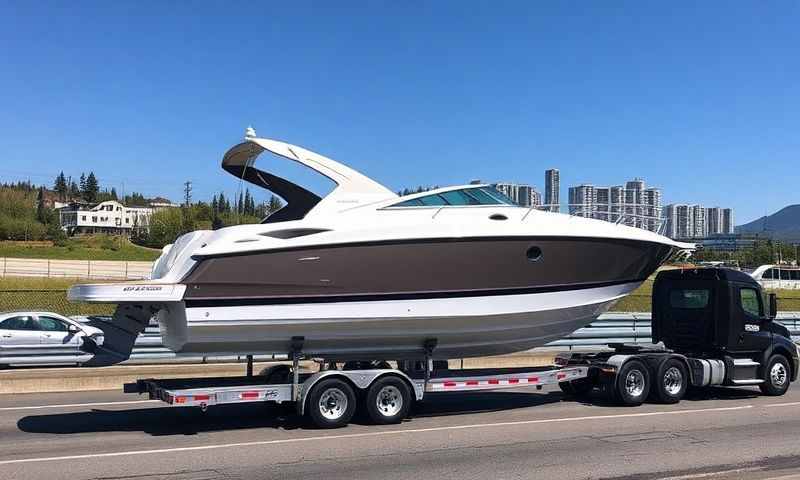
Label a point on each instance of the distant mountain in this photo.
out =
(782, 225)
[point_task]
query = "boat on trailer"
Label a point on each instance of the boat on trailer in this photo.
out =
(365, 273)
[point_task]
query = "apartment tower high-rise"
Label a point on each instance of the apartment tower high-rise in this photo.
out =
(552, 184)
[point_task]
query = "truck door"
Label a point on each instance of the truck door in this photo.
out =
(750, 309)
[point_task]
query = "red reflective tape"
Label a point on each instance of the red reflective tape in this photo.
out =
(533, 380)
(513, 380)
(472, 382)
(248, 395)
(561, 375)
(449, 384)
(201, 398)
(494, 382)
(180, 399)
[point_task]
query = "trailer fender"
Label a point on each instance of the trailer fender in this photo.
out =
(358, 379)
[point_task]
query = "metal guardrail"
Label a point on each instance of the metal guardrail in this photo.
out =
(615, 327)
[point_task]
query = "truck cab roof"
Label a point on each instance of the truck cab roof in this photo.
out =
(708, 273)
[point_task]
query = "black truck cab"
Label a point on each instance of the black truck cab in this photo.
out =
(720, 313)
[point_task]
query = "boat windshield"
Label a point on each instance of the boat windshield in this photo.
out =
(461, 197)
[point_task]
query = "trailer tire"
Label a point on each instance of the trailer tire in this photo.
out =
(633, 383)
(776, 376)
(671, 381)
(388, 400)
(331, 403)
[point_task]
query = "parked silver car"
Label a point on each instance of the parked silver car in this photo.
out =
(45, 338)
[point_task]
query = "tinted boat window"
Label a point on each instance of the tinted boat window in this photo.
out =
(414, 202)
(483, 197)
(433, 200)
(465, 196)
(795, 274)
(767, 275)
(460, 197)
(691, 299)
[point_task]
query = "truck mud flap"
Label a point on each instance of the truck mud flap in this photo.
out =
(120, 333)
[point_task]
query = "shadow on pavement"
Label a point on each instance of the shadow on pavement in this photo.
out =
(190, 421)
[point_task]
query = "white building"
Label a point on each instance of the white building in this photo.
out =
(552, 189)
(107, 217)
(632, 205)
(695, 221)
(522, 194)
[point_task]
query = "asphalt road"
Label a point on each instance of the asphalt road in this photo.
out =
(522, 433)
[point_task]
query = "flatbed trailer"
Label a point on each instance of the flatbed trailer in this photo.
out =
(330, 397)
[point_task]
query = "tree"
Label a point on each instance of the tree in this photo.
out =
(216, 221)
(114, 193)
(240, 204)
(214, 204)
(41, 214)
(60, 187)
(222, 203)
(74, 191)
(274, 205)
(82, 184)
(91, 189)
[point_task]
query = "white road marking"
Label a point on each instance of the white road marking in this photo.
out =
(787, 404)
(368, 434)
(71, 405)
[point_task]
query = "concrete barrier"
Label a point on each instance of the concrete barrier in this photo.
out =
(46, 380)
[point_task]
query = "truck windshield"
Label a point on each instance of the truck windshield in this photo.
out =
(689, 298)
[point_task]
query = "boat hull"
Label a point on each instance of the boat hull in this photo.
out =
(391, 329)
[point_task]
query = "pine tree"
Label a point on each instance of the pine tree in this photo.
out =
(74, 191)
(92, 188)
(114, 193)
(83, 184)
(221, 203)
(240, 203)
(246, 207)
(60, 186)
(275, 204)
(214, 205)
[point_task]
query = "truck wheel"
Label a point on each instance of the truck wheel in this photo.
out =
(671, 381)
(577, 388)
(776, 376)
(633, 383)
(331, 403)
(388, 400)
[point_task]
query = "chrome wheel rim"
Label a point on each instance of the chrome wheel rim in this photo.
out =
(673, 380)
(333, 404)
(389, 401)
(778, 374)
(634, 383)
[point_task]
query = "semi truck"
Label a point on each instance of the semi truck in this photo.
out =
(711, 327)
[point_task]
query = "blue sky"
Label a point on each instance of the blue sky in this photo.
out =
(702, 100)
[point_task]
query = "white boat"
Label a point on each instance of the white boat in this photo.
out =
(363, 273)
(778, 276)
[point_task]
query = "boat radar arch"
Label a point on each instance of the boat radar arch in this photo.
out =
(352, 187)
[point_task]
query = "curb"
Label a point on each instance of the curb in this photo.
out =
(50, 380)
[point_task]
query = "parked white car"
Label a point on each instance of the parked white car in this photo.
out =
(45, 338)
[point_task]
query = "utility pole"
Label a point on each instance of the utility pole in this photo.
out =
(187, 192)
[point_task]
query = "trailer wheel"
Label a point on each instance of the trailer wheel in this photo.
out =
(577, 388)
(388, 400)
(776, 376)
(671, 381)
(331, 403)
(633, 383)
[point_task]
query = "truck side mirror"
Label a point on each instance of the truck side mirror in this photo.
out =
(773, 306)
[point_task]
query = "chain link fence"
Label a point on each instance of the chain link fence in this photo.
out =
(51, 301)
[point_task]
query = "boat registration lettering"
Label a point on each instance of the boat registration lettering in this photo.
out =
(143, 288)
